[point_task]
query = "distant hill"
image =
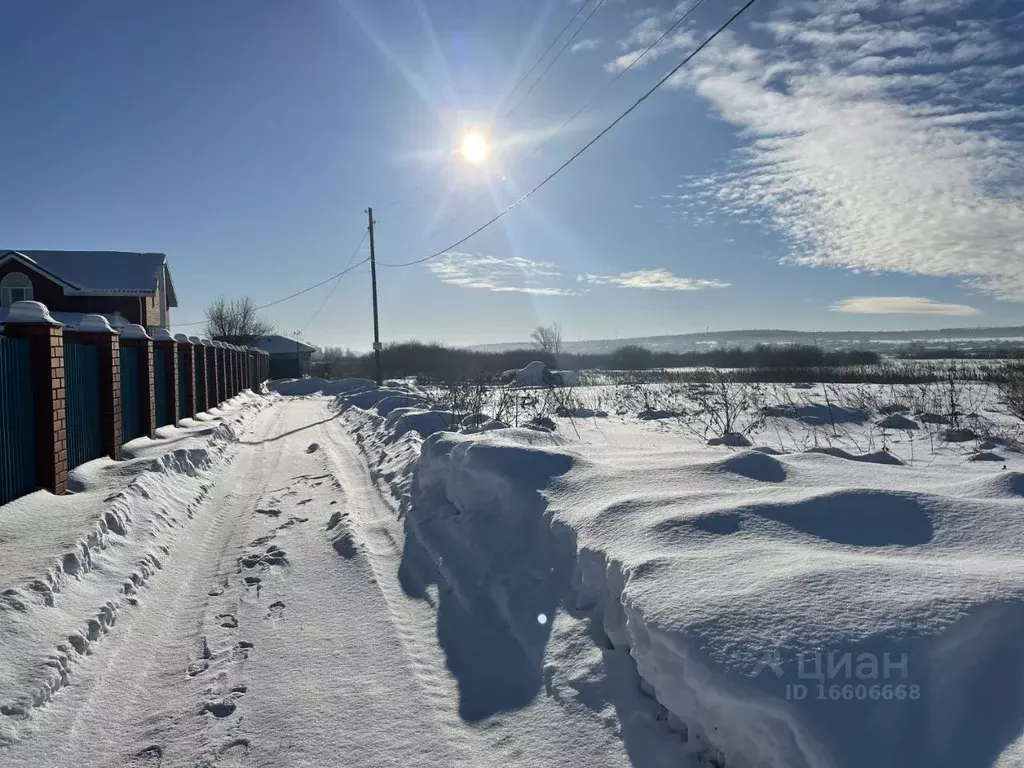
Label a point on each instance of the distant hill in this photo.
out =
(876, 340)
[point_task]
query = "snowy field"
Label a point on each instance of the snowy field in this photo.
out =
(341, 574)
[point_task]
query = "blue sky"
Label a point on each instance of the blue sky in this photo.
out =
(823, 165)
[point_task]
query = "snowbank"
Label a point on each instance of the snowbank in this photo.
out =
(537, 374)
(311, 386)
(789, 611)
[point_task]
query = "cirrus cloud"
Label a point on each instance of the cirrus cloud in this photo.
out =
(900, 305)
(655, 280)
(880, 137)
(515, 274)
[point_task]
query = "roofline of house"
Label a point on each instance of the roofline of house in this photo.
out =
(36, 267)
(72, 289)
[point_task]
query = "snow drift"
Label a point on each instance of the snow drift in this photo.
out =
(785, 611)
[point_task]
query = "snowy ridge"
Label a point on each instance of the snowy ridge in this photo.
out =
(51, 614)
(784, 610)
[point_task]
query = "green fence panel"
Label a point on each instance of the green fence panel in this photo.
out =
(17, 431)
(82, 403)
(182, 385)
(161, 361)
(198, 370)
(211, 372)
(131, 394)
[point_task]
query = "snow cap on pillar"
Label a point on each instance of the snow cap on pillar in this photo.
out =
(29, 313)
(195, 339)
(162, 334)
(181, 338)
(95, 324)
(206, 342)
(135, 331)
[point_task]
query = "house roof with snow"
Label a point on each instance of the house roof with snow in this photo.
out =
(280, 345)
(99, 272)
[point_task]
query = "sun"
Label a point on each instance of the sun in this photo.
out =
(474, 148)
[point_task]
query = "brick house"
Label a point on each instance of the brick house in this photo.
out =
(126, 287)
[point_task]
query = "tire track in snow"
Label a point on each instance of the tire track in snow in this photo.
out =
(375, 525)
(135, 699)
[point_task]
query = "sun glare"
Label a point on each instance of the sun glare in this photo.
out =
(474, 148)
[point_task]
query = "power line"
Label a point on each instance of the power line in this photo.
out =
(615, 79)
(585, 106)
(586, 146)
(550, 46)
(417, 187)
(557, 57)
(337, 282)
(290, 296)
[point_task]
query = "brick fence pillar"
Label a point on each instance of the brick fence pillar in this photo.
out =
(95, 330)
(136, 336)
(31, 320)
(187, 372)
(162, 339)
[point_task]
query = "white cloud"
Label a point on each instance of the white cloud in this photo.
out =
(588, 44)
(513, 274)
(889, 145)
(518, 275)
(900, 305)
(655, 280)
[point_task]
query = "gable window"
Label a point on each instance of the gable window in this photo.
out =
(15, 287)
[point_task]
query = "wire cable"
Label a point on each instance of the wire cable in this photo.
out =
(421, 184)
(707, 41)
(557, 57)
(290, 296)
(614, 80)
(550, 46)
(337, 282)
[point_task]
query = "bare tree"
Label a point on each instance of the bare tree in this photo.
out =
(547, 338)
(235, 321)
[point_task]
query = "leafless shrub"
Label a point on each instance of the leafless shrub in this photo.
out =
(1012, 391)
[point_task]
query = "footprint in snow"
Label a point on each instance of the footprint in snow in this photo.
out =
(150, 757)
(345, 546)
(227, 620)
(219, 708)
(313, 448)
(269, 512)
(233, 754)
(240, 652)
(276, 611)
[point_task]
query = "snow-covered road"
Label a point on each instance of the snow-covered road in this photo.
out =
(289, 626)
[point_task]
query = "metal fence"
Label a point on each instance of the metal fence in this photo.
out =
(182, 384)
(131, 402)
(161, 360)
(82, 403)
(17, 432)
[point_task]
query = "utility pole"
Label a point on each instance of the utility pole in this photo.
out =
(373, 281)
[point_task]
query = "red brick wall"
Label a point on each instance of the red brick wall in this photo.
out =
(52, 295)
